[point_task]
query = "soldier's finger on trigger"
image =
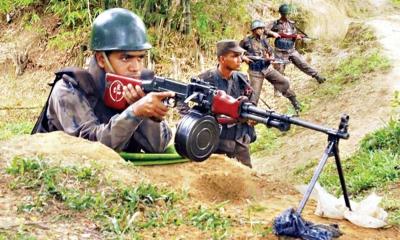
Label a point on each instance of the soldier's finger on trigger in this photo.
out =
(160, 105)
(163, 95)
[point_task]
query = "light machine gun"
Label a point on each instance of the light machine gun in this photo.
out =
(197, 134)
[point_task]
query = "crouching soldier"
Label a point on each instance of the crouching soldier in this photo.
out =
(76, 105)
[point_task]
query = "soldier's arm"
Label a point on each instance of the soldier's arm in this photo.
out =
(272, 30)
(70, 111)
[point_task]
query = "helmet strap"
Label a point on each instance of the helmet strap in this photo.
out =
(107, 62)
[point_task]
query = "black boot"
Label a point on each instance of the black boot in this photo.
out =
(296, 104)
(320, 79)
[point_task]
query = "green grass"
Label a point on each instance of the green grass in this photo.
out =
(16, 236)
(396, 2)
(353, 69)
(211, 219)
(364, 57)
(373, 167)
(267, 139)
(8, 130)
(8, 5)
(117, 209)
(392, 205)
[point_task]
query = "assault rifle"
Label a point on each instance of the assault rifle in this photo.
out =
(300, 35)
(197, 134)
(271, 60)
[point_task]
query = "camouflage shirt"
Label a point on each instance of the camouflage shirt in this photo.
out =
(76, 107)
(257, 47)
(287, 27)
(236, 86)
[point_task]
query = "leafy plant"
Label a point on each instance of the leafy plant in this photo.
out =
(210, 220)
(8, 5)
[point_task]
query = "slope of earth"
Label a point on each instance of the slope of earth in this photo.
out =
(368, 104)
(215, 180)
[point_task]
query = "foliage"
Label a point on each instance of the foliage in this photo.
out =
(374, 166)
(75, 13)
(355, 67)
(392, 205)
(66, 40)
(363, 56)
(396, 2)
(211, 22)
(267, 139)
(117, 209)
(16, 236)
(210, 220)
(8, 5)
(7, 130)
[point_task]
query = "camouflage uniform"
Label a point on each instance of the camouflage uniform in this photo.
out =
(236, 137)
(258, 70)
(76, 107)
(285, 49)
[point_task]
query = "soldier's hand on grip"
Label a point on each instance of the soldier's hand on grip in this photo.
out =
(151, 105)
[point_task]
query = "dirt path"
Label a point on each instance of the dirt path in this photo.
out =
(367, 104)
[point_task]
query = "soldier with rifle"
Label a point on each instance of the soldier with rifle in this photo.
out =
(235, 135)
(76, 104)
(259, 57)
(286, 33)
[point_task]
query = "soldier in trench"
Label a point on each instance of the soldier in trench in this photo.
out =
(76, 105)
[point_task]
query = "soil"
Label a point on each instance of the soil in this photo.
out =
(216, 180)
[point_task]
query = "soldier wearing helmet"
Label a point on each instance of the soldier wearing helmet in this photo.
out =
(285, 46)
(76, 105)
(256, 45)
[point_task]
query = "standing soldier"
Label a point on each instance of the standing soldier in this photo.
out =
(259, 56)
(285, 44)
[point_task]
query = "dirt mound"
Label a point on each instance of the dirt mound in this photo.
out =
(217, 179)
(221, 187)
(58, 148)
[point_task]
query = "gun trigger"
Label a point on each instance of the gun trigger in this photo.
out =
(169, 102)
(187, 100)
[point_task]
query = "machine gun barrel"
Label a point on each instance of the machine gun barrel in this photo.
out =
(283, 122)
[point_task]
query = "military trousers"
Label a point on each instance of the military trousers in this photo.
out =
(297, 59)
(280, 83)
(235, 149)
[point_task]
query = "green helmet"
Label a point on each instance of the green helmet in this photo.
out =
(257, 24)
(118, 29)
(284, 9)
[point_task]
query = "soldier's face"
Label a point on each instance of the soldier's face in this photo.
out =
(259, 31)
(231, 61)
(126, 63)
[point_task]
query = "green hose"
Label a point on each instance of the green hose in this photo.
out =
(149, 156)
(170, 156)
(164, 162)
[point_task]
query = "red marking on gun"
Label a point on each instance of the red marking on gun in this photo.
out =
(113, 97)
